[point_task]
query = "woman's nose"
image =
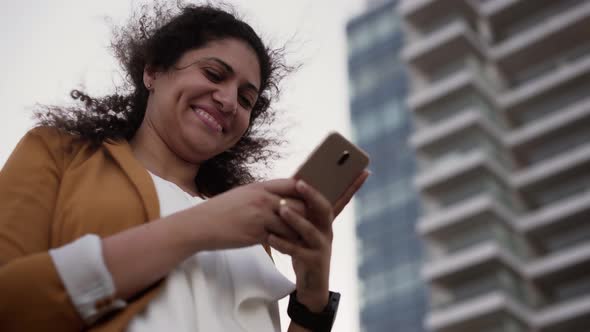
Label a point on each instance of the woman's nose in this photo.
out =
(227, 99)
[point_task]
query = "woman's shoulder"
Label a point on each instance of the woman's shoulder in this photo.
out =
(48, 133)
(56, 141)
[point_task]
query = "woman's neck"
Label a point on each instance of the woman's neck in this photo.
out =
(153, 153)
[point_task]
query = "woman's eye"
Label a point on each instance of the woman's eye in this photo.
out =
(246, 103)
(213, 76)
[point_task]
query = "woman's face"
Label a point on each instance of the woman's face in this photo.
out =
(202, 106)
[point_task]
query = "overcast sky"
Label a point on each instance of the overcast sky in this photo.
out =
(50, 47)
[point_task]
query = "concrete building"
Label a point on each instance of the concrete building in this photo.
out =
(500, 97)
(389, 250)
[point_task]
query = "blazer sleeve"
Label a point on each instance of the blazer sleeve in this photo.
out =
(33, 297)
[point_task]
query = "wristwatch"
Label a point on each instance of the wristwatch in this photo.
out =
(314, 321)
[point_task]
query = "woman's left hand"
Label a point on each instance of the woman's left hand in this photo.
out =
(311, 254)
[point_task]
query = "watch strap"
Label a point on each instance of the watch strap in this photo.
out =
(314, 321)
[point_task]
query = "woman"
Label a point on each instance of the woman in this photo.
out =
(138, 212)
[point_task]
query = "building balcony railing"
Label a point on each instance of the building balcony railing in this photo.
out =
(423, 97)
(470, 118)
(543, 84)
(557, 165)
(537, 33)
(534, 131)
(554, 213)
(470, 76)
(446, 219)
(421, 12)
(567, 316)
(454, 266)
(442, 46)
(452, 169)
(462, 316)
(491, 8)
(560, 264)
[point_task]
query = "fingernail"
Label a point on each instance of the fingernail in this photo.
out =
(301, 186)
(369, 171)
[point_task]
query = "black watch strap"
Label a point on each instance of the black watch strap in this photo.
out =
(314, 321)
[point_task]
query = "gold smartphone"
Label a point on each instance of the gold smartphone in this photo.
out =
(333, 166)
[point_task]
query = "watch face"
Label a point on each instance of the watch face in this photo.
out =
(334, 301)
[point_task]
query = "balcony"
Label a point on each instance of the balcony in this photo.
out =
(543, 85)
(512, 17)
(571, 316)
(468, 211)
(558, 226)
(478, 313)
(569, 164)
(543, 39)
(460, 169)
(424, 12)
(471, 119)
(533, 133)
(459, 266)
(470, 78)
(443, 46)
(562, 265)
(494, 9)
(559, 138)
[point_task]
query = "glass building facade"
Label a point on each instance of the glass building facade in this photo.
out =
(392, 294)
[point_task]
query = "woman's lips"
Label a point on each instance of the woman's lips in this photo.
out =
(208, 120)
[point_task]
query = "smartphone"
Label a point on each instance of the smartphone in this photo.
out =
(333, 166)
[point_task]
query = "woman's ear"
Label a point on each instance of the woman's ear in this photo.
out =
(149, 75)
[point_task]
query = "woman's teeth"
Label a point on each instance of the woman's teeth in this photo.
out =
(209, 120)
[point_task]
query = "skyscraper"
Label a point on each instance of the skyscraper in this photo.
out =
(391, 291)
(500, 97)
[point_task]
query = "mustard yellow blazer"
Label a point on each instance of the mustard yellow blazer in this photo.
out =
(55, 188)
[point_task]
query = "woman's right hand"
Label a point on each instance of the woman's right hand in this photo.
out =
(246, 215)
(240, 217)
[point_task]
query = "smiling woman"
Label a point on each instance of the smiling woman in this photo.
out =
(202, 107)
(138, 211)
(152, 43)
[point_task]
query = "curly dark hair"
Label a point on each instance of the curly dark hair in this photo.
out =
(157, 36)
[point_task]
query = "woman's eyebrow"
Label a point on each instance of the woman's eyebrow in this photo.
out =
(230, 70)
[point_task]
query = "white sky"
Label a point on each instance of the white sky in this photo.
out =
(50, 47)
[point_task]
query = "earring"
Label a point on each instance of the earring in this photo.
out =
(148, 86)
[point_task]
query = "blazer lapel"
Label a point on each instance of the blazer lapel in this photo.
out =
(121, 152)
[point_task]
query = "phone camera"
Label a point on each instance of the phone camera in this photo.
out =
(344, 157)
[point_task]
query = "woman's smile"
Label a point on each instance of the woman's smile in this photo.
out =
(208, 119)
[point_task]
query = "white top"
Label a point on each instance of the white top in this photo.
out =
(223, 290)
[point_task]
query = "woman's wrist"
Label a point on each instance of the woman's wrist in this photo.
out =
(192, 232)
(198, 227)
(314, 301)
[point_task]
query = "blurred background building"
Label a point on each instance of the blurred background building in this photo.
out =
(498, 93)
(391, 293)
(500, 99)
